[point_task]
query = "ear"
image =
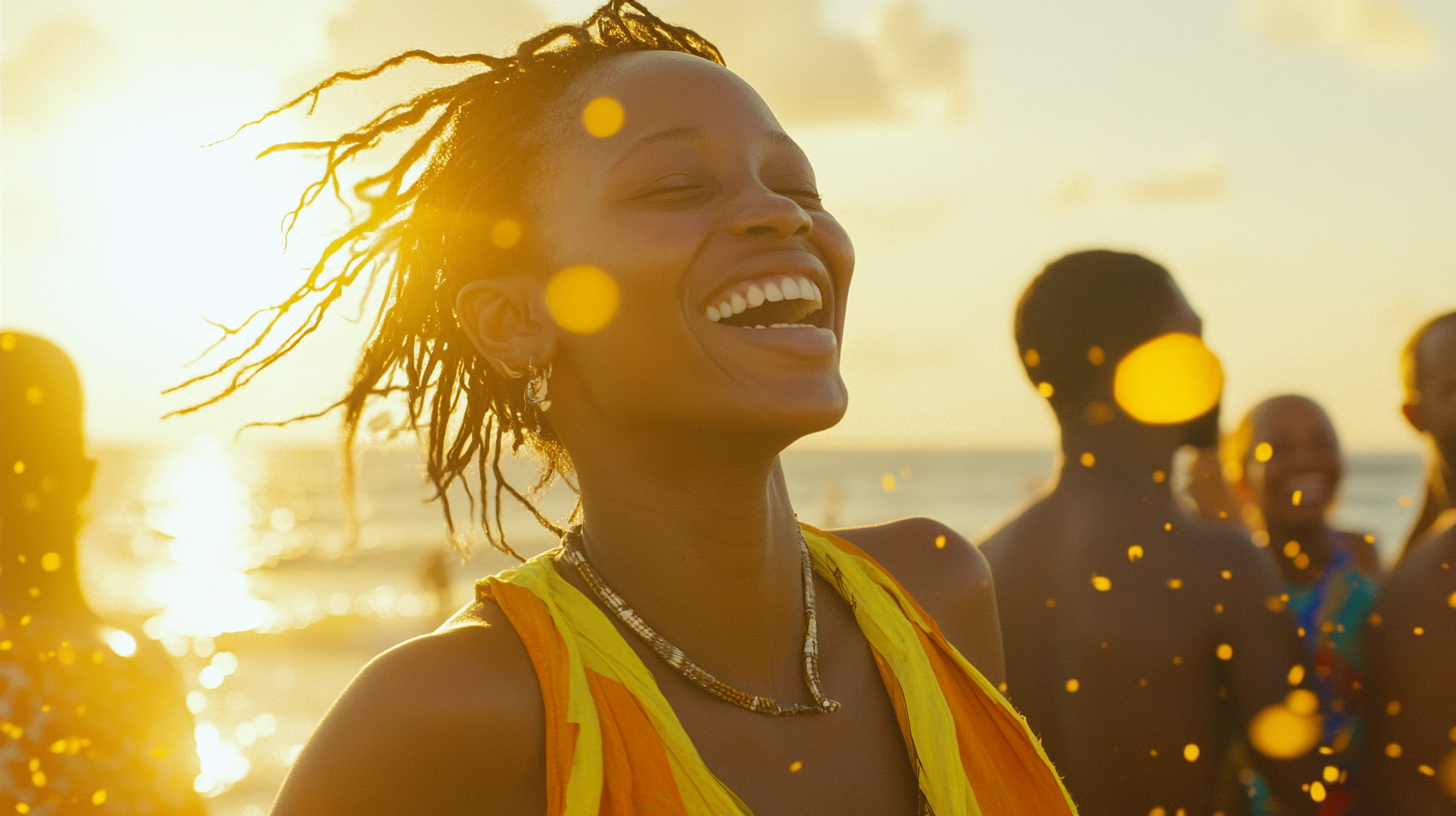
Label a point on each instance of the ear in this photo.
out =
(506, 320)
(1415, 416)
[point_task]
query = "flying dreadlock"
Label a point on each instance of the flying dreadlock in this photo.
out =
(471, 168)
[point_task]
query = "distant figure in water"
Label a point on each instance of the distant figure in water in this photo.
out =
(1135, 636)
(92, 716)
(604, 251)
(1285, 462)
(1410, 757)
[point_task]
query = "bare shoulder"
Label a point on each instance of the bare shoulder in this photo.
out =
(450, 722)
(947, 575)
(1031, 528)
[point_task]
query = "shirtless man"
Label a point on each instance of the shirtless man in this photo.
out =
(1411, 742)
(1137, 640)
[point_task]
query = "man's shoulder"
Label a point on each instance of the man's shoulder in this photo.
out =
(1426, 573)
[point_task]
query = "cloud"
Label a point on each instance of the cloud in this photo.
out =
(811, 74)
(64, 62)
(1382, 33)
(1194, 184)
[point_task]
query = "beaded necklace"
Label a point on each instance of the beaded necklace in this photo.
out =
(680, 662)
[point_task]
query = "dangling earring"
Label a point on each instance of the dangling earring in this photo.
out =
(536, 388)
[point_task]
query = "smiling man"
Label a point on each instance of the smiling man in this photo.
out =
(1134, 636)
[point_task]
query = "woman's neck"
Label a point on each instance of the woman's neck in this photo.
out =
(705, 549)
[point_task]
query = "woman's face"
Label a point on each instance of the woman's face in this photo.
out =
(697, 201)
(1297, 484)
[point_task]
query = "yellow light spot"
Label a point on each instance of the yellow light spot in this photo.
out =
(1426, 769)
(506, 233)
(1420, 630)
(121, 642)
(21, 807)
(1157, 811)
(1101, 583)
(1451, 600)
(1096, 356)
(1376, 619)
(1135, 552)
(1392, 708)
(582, 299)
(1297, 498)
(940, 542)
(1168, 380)
(1087, 460)
(7, 342)
(1190, 752)
(1224, 651)
(1226, 575)
(888, 482)
(34, 395)
(1263, 452)
(1159, 476)
(1177, 660)
(1153, 752)
(1045, 389)
(1274, 603)
(99, 797)
(1331, 774)
(1404, 501)
(1168, 526)
(795, 766)
(1448, 774)
(1073, 685)
(1175, 583)
(58, 746)
(38, 779)
(1301, 561)
(19, 467)
(1001, 687)
(25, 620)
(1302, 701)
(1051, 603)
(1393, 750)
(1098, 413)
(1317, 791)
(603, 116)
(50, 562)
(1218, 609)
(1291, 549)
(1031, 358)
(1369, 539)
(1281, 733)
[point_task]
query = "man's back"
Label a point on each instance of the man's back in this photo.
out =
(1138, 643)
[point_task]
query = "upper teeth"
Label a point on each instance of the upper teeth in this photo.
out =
(786, 288)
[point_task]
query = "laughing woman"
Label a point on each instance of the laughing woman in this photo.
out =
(605, 251)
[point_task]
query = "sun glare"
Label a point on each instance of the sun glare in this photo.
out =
(1169, 379)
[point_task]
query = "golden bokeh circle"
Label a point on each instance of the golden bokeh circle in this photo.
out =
(1168, 380)
(603, 116)
(582, 299)
(1278, 732)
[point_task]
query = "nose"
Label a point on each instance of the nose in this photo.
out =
(765, 213)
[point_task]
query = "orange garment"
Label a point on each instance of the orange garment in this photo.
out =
(613, 745)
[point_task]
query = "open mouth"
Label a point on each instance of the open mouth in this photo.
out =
(770, 302)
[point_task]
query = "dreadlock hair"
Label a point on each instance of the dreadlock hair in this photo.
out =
(449, 210)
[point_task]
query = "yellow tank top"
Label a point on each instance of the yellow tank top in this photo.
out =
(614, 746)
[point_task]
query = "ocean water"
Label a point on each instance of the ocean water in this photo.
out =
(240, 562)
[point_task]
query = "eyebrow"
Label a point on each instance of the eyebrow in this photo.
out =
(775, 138)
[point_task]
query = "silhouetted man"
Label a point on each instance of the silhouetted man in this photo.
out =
(1411, 743)
(92, 716)
(1138, 641)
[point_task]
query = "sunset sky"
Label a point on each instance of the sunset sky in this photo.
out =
(1293, 162)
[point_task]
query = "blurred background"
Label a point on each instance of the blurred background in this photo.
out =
(1291, 161)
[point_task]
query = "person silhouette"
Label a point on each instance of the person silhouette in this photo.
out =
(1286, 466)
(92, 715)
(1410, 748)
(1134, 635)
